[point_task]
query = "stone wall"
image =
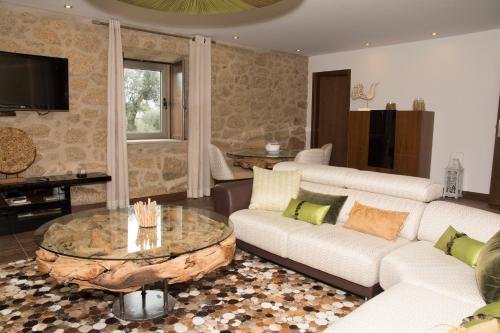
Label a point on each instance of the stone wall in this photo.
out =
(257, 97)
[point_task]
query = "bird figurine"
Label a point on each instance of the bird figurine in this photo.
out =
(358, 92)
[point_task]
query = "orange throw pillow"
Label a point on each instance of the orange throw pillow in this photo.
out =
(376, 222)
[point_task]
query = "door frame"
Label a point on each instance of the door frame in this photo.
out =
(494, 182)
(315, 97)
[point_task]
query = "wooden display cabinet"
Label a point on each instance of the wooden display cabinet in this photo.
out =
(411, 148)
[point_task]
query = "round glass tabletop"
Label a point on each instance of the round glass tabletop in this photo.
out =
(115, 234)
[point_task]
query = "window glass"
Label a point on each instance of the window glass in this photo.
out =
(154, 100)
(143, 100)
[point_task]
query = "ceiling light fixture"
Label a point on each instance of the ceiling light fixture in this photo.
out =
(68, 6)
(434, 34)
(236, 37)
(367, 44)
(299, 50)
(202, 6)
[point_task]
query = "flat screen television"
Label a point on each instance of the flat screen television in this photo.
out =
(33, 83)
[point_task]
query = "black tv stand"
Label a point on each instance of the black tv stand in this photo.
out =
(49, 197)
(8, 113)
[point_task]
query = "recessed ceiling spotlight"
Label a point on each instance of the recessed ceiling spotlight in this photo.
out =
(236, 37)
(68, 6)
(367, 44)
(298, 50)
(434, 34)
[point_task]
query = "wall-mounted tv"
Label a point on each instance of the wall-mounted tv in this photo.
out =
(33, 83)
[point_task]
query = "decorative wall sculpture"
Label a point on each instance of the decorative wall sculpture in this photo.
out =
(358, 92)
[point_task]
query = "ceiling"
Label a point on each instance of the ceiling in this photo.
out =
(314, 26)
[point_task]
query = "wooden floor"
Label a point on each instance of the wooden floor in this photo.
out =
(21, 246)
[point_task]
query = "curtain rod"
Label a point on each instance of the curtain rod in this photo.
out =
(98, 22)
(152, 61)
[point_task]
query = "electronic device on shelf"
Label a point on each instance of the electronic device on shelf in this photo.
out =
(25, 80)
(16, 201)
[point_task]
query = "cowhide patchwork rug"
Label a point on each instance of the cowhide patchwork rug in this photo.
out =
(250, 295)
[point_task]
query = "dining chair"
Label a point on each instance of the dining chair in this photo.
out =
(311, 156)
(221, 170)
(327, 151)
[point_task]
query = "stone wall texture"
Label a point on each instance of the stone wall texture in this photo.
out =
(257, 96)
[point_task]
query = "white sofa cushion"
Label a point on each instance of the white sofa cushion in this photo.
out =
(476, 223)
(415, 208)
(345, 253)
(265, 229)
(421, 264)
(404, 308)
(315, 173)
(273, 190)
(414, 188)
(325, 189)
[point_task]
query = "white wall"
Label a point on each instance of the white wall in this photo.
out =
(459, 79)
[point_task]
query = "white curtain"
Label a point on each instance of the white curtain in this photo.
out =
(200, 89)
(117, 189)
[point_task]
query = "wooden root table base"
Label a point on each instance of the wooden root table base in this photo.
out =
(265, 163)
(127, 276)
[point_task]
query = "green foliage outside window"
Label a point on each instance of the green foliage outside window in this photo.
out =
(143, 100)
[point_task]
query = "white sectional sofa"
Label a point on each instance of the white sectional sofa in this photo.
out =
(336, 255)
(423, 286)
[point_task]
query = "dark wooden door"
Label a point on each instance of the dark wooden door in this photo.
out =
(495, 171)
(330, 112)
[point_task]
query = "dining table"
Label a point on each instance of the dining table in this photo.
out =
(248, 158)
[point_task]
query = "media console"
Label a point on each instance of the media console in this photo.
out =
(47, 198)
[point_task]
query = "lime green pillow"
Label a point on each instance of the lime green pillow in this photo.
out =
(483, 314)
(492, 309)
(488, 270)
(306, 211)
(445, 238)
(460, 246)
(467, 250)
(336, 202)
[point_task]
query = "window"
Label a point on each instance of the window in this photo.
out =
(154, 100)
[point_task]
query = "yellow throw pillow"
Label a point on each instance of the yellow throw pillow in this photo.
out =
(376, 222)
(272, 190)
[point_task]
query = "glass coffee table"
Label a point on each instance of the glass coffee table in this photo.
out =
(106, 249)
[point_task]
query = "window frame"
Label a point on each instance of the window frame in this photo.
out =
(164, 69)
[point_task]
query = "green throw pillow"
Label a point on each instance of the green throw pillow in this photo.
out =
(483, 314)
(460, 246)
(336, 202)
(445, 238)
(306, 211)
(467, 250)
(488, 270)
